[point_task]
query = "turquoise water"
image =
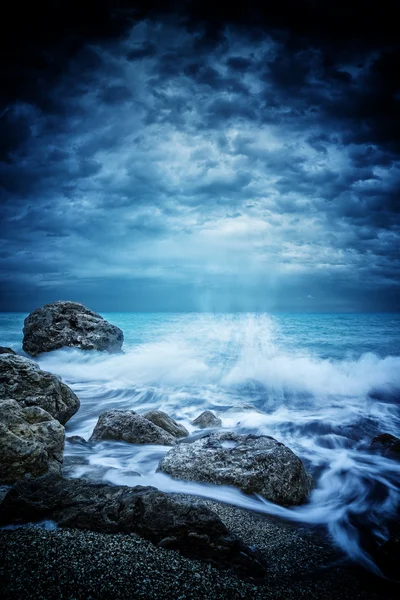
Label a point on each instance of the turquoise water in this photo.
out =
(325, 385)
(334, 336)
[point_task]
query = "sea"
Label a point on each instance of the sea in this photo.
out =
(323, 384)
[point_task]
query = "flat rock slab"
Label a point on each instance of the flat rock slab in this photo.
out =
(31, 442)
(254, 464)
(22, 380)
(127, 426)
(62, 324)
(172, 522)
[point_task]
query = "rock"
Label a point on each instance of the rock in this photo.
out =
(4, 350)
(170, 521)
(4, 489)
(161, 419)
(22, 380)
(62, 324)
(386, 443)
(31, 441)
(254, 464)
(127, 426)
(207, 419)
(387, 554)
(76, 439)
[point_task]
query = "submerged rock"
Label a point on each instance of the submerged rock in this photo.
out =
(31, 442)
(61, 324)
(254, 464)
(386, 443)
(5, 350)
(127, 426)
(76, 439)
(207, 419)
(169, 521)
(161, 419)
(22, 380)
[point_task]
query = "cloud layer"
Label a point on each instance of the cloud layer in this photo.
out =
(205, 166)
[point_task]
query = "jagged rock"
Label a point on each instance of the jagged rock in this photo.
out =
(254, 464)
(127, 426)
(386, 443)
(207, 419)
(161, 419)
(31, 441)
(62, 324)
(22, 380)
(170, 521)
(5, 350)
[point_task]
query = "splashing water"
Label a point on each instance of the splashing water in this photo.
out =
(322, 384)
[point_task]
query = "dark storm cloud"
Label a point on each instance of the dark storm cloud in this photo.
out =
(189, 149)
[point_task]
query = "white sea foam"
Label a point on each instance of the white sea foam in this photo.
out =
(325, 409)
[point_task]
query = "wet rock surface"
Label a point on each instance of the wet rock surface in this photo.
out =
(63, 324)
(254, 464)
(5, 350)
(76, 439)
(161, 419)
(22, 380)
(207, 419)
(172, 522)
(388, 444)
(31, 442)
(387, 555)
(127, 426)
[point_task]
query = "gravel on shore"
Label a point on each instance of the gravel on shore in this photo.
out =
(37, 563)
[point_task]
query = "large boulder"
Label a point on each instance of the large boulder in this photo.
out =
(169, 521)
(127, 426)
(161, 419)
(6, 350)
(31, 442)
(62, 324)
(254, 464)
(206, 420)
(22, 380)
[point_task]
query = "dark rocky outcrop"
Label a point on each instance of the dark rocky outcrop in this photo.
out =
(5, 350)
(207, 419)
(387, 444)
(31, 442)
(161, 419)
(61, 324)
(254, 464)
(22, 380)
(127, 426)
(170, 521)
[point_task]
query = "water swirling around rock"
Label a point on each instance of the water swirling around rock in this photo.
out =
(324, 385)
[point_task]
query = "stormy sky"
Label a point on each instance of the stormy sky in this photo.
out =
(180, 156)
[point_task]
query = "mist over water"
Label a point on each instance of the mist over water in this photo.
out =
(324, 385)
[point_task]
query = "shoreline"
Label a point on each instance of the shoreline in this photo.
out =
(79, 564)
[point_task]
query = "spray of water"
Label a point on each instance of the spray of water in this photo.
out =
(257, 380)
